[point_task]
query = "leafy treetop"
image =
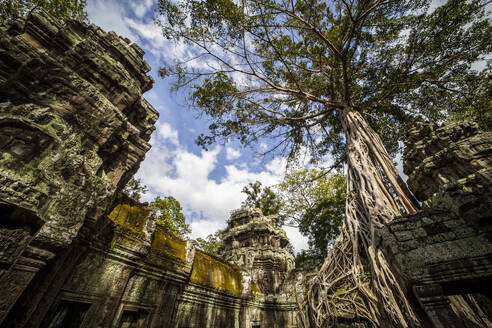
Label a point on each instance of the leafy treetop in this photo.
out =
(170, 215)
(61, 9)
(315, 202)
(287, 69)
(212, 244)
(263, 198)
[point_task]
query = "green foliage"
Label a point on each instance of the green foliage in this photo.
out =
(134, 189)
(212, 244)
(478, 109)
(170, 215)
(263, 198)
(309, 199)
(61, 9)
(307, 261)
(315, 201)
(365, 276)
(287, 69)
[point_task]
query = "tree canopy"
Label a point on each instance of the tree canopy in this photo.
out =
(61, 9)
(212, 244)
(170, 215)
(480, 109)
(263, 198)
(315, 202)
(286, 68)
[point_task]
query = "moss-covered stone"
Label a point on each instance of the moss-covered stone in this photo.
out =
(133, 218)
(260, 247)
(166, 242)
(73, 130)
(217, 274)
(450, 252)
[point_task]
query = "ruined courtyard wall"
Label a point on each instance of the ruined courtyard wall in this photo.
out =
(134, 266)
(443, 253)
(74, 128)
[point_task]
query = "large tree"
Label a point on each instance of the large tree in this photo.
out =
(344, 77)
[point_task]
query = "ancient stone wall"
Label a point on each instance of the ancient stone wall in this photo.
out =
(133, 272)
(73, 130)
(443, 254)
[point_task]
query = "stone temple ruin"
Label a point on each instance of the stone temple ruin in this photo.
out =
(258, 245)
(443, 253)
(73, 130)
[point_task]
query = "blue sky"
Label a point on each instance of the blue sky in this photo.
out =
(208, 184)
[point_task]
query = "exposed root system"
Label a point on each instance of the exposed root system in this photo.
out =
(356, 282)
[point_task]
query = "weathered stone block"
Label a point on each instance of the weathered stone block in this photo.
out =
(404, 235)
(419, 233)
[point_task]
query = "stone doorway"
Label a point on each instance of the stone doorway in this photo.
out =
(133, 317)
(69, 314)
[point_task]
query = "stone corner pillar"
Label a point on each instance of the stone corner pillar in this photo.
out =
(437, 306)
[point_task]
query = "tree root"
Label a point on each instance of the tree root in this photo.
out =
(355, 280)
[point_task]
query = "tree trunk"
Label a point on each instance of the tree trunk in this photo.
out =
(355, 277)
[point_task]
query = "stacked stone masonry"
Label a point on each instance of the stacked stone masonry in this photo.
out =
(260, 246)
(443, 253)
(74, 128)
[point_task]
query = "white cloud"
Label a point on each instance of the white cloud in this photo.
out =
(148, 31)
(438, 3)
(297, 240)
(232, 154)
(166, 132)
(170, 51)
(203, 228)
(141, 7)
(277, 166)
(110, 16)
(186, 176)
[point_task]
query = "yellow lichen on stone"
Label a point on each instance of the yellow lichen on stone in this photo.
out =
(133, 218)
(166, 242)
(253, 289)
(214, 273)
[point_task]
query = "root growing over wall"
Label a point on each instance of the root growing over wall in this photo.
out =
(356, 282)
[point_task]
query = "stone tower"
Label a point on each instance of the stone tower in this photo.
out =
(74, 128)
(259, 246)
